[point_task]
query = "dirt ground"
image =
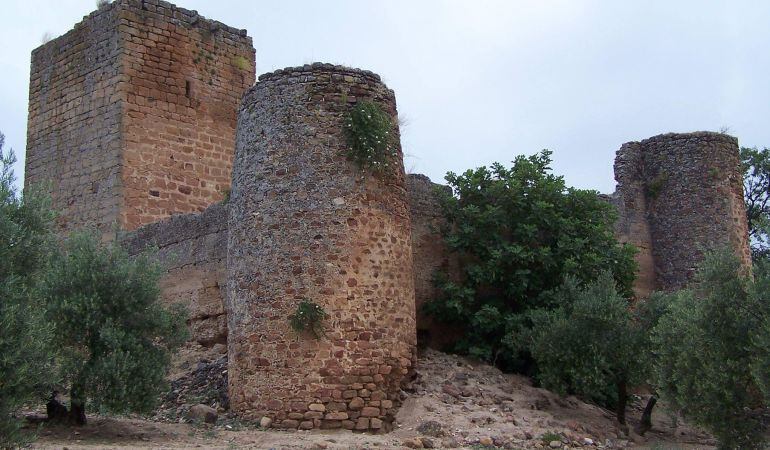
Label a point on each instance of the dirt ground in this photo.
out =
(452, 403)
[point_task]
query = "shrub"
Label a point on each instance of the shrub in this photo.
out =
(369, 132)
(240, 63)
(308, 317)
(707, 343)
(655, 185)
(115, 336)
(591, 346)
(25, 353)
(518, 233)
(756, 193)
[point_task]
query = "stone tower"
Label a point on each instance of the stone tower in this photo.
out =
(132, 114)
(680, 195)
(306, 223)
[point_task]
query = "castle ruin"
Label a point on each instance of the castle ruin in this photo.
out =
(132, 124)
(679, 195)
(132, 114)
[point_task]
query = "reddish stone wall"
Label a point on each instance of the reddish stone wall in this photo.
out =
(305, 223)
(681, 195)
(193, 251)
(132, 114)
(185, 76)
(74, 136)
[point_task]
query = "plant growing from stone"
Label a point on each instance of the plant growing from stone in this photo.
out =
(369, 133)
(308, 317)
(240, 63)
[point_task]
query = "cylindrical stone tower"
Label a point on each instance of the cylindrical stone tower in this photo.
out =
(689, 186)
(306, 223)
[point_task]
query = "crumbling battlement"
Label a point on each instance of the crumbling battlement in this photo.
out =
(132, 114)
(192, 249)
(307, 223)
(680, 194)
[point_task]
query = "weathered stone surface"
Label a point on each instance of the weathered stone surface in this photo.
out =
(306, 223)
(132, 114)
(679, 194)
(203, 413)
(192, 249)
(430, 254)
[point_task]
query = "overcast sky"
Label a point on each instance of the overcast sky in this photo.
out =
(481, 81)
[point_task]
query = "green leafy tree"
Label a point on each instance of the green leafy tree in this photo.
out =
(592, 346)
(708, 353)
(756, 192)
(114, 334)
(25, 354)
(518, 233)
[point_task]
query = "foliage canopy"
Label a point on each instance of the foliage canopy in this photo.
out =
(591, 346)
(114, 334)
(519, 232)
(756, 192)
(25, 354)
(711, 350)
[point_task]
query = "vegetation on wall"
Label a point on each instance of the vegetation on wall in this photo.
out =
(519, 232)
(655, 185)
(308, 317)
(370, 139)
(240, 63)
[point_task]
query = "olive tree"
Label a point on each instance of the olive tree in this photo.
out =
(711, 351)
(114, 334)
(25, 355)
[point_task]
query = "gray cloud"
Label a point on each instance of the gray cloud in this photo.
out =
(482, 81)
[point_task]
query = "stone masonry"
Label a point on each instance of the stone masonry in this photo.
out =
(306, 223)
(132, 123)
(132, 114)
(430, 254)
(680, 194)
(192, 248)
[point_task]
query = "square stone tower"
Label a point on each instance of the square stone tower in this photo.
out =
(132, 114)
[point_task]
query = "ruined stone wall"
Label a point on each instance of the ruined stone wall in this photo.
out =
(74, 126)
(430, 254)
(305, 223)
(688, 189)
(132, 114)
(192, 248)
(185, 76)
(632, 226)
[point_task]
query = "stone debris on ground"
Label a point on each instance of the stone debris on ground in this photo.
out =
(450, 402)
(205, 384)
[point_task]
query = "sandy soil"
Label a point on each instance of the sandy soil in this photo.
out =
(453, 402)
